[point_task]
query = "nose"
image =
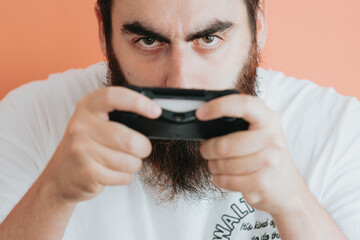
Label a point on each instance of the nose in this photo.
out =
(181, 67)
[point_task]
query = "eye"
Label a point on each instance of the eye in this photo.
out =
(148, 42)
(208, 41)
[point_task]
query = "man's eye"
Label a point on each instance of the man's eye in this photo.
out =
(208, 41)
(148, 42)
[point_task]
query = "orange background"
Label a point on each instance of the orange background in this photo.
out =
(317, 40)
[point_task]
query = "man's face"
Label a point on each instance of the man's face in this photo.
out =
(204, 44)
(184, 44)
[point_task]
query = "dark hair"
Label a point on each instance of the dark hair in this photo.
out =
(105, 8)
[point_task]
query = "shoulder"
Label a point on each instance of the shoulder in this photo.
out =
(40, 110)
(74, 83)
(60, 92)
(282, 94)
(321, 125)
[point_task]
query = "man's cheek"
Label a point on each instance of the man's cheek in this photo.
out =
(140, 75)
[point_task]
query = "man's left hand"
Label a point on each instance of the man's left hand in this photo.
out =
(256, 162)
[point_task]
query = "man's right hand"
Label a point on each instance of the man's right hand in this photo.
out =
(96, 152)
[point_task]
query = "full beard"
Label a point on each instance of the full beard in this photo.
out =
(175, 169)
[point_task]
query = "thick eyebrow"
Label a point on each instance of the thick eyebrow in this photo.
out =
(139, 29)
(215, 27)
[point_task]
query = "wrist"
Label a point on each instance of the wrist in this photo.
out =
(48, 192)
(296, 201)
(306, 219)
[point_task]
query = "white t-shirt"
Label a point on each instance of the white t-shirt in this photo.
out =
(322, 130)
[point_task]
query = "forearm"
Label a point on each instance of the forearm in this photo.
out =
(308, 221)
(38, 216)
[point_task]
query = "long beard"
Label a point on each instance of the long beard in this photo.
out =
(175, 169)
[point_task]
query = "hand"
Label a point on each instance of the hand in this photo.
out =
(96, 152)
(256, 162)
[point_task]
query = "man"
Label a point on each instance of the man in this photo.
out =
(292, 175)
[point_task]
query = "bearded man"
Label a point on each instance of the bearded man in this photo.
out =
(292, 175)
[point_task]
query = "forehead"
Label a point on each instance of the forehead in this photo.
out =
(179, 16)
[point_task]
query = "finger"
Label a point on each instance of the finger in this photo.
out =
(109, 177)
(115, 160)
(244, 165)
(108, 99)
(247, 107)
(119, 137)
(242, 184)
(253, 187)
(234, 145)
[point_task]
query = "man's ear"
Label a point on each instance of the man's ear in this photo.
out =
(101, 31)
(262, 24)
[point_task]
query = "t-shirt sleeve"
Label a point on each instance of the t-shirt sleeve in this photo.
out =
(341, 192)
(22, 144)
(33, 119)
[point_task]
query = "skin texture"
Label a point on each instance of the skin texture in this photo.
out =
(92, 155)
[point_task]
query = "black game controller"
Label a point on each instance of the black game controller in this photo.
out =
(178, 120)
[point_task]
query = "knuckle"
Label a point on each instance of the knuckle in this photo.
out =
(86, 173)
(278, 146)
(276, 143)
(275, 140)
(261, 183)
(107, 95)
(146, 148)
(89, 169)
(273, 158)
(93, 188)
(126, 179)
(127, 166)
(219, 165)
(135, 144)
(132, 165)
(210, 166)
(213, 166)
(76, 128)
(130, 143)
(138, 104)
(221, 147)
(203, 150)
(137, 165)
(78, 146)
(220, 180)
(253, 198)
(220, 107)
